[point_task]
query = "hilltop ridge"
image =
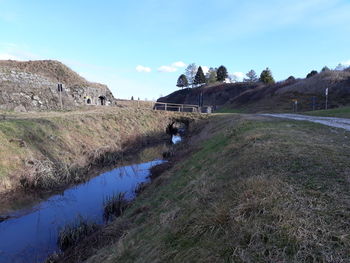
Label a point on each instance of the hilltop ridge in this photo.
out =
(308, 92)
(279, 97)
(52, 69)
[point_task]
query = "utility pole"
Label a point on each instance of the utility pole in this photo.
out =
(200, 103)
(326, 98)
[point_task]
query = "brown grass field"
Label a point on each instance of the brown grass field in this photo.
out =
(42, 151)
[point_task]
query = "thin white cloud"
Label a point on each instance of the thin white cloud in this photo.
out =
(343, 65)
(16, 52)
(173, 67)
(205, 69)
(6, 56)
(346, 63)
(167, 69)
(141, 68)
(238, 76)
(178, 64)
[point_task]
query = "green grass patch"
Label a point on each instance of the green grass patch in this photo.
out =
(229, 110)
(343, 112)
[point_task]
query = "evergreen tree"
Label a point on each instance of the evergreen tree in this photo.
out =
(252, 77)
(132, 97)
(266, 77)
(312, 73)
(190, 73)
(221, 73)
(199, 79)
(325, 68)
(182, 81)
(340, 67)
(211, 75)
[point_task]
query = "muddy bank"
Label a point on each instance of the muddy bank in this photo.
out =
(60, 149)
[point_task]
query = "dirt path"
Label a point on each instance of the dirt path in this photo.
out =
(329, 121)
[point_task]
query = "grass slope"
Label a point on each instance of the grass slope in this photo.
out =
(253, 190)
(50, 149)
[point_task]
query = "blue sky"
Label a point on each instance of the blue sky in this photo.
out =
(133, 46)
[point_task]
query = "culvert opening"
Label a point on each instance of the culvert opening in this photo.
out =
(177, 129)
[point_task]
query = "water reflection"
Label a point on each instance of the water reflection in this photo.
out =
(32, 237)
(176, 139)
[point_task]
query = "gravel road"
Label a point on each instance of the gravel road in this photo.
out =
(329, 121)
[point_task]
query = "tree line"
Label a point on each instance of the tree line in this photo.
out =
(195, 77)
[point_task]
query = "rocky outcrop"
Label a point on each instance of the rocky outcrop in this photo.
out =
(33, 85)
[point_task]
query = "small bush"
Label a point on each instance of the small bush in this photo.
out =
(114, 206)
(71, 234)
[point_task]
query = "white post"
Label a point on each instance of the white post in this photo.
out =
(326, 98)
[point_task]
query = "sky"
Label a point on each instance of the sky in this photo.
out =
(139, 48)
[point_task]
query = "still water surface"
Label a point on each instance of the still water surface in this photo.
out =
(32, 236)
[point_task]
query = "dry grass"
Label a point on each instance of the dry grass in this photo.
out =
(256, 190)
(141, 104)
(62, 147)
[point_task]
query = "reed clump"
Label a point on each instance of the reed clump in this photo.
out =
(114, 206)
(71, 234)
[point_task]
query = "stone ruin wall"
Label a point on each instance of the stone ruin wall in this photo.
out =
(24, 91)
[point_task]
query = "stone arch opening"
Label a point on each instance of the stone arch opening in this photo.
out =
(177, 128)
(102, 100)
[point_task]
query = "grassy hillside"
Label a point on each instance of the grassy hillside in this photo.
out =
(52, 149)
(51, 69)
(251, 189)
(280, 97)
(213, 94)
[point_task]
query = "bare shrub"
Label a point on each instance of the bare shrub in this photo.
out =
(40, 174)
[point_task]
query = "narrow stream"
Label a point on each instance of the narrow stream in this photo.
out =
(33, 236)
(30, 235)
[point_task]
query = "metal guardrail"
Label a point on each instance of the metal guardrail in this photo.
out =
(175, 107)
(181, 107)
